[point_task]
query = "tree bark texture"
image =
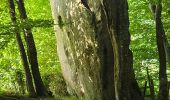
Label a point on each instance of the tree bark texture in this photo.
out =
(116, 13)
(93, 47)
(21, 48)
(31, 50)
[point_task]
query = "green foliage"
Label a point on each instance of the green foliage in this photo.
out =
(12, 76)
(5, 35)
(143, 39)
(57, 85)
(19, 78)
(70, 98)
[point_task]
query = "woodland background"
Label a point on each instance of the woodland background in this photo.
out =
(143, 45)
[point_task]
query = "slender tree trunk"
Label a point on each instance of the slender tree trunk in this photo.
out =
(144, 89)
(167, 49)
(160, 33)
(31, 50)
(23, 55)
(162, 45)
(151, 86)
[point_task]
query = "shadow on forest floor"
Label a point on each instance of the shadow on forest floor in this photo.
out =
(18, 97)
(15, 97)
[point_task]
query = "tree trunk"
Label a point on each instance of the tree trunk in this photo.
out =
(117, 20)
(93, 48)
(31, 50)
(23, 55)
(167, 49)
(144, 89)
(151, 86)
(160, 33)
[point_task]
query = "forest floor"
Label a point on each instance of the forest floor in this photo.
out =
(15, 97)
(3, 97)
(19, 97)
